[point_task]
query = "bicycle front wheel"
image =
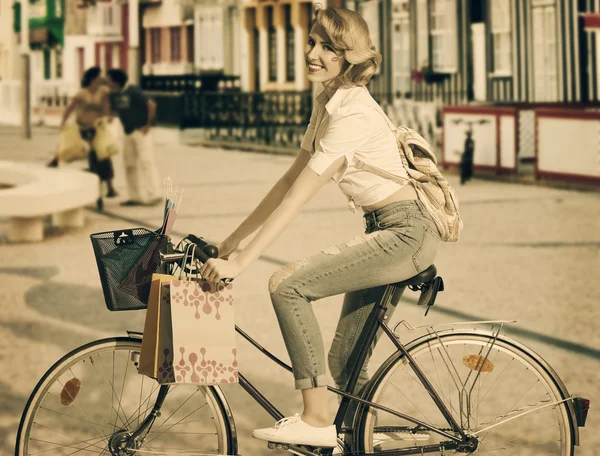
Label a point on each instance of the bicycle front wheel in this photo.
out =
(496, 390)
(93, 399)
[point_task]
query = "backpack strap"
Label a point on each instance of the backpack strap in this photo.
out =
(359, 164)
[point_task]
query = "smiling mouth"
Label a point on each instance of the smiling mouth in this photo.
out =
(313, 67)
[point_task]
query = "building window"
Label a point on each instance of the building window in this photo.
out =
(501, 37)
(190, 43)
(155, 45)
(444, 42)
(545, 64)
(107, 15)
(175, 33)
(401, 48)
(290, 44)
(272, 42)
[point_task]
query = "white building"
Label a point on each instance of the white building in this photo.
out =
(10, 69)
(9, 48)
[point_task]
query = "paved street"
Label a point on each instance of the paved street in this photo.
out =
(527, 253)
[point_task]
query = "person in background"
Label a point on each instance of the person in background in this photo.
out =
(466, 159)
(90, 104)
(137, 113)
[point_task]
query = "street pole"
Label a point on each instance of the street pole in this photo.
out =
(25, 71)
(133, 54)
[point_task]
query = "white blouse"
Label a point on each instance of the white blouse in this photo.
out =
(350, 124)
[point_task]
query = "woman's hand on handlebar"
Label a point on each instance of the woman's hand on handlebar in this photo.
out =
(216, 269)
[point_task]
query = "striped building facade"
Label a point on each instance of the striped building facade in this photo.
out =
(458, 51)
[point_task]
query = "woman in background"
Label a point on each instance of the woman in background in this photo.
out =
(90, 104)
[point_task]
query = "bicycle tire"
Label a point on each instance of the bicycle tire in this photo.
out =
(225, 431)
(366, 418)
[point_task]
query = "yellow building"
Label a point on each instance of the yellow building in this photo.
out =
(274, 36)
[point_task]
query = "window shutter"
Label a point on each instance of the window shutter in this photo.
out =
(539, 55)
(401, 51)
(444, 36)
(422, 21)
(217, 37)
(551, 50)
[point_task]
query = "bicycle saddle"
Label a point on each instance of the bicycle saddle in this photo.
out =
(422, 277)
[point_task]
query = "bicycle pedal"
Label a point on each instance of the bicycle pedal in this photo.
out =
(278, 446)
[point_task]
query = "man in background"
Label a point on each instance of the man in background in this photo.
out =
(137, 112)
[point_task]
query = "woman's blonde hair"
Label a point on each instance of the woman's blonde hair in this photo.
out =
(349, 35)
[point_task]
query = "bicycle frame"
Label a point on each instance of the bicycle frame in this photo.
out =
(375, 322)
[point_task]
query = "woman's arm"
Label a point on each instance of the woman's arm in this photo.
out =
(106, 105)
(304, 188)
(70, 108)
(269, 203)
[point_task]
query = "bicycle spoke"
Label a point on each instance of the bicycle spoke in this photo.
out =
(79, 408)
(104, 392)
(113, 392)
(146, 402)
(108, 425)
(173, 425)
(61, 445)
(427, 420)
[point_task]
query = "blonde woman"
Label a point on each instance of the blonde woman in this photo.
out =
(401, 239)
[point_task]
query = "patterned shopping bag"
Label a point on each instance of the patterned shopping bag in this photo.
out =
(203, 346)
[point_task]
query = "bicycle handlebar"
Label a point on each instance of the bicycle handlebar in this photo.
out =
(203, 251)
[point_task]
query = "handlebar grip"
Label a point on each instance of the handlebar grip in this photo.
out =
(204, 250)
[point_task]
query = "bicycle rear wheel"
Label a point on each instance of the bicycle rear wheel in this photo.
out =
(92, 399)
(486, 383)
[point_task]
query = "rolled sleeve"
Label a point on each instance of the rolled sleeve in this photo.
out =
(346, 132)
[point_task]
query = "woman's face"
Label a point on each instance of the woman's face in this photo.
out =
(97, 81)
(322, 62)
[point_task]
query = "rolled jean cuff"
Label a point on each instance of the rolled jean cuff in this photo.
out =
(312, 382)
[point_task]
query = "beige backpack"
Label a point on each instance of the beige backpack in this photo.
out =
(432, 188)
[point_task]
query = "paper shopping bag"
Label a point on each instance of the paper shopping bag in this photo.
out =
(157, 327)
(104, 142)
(71, 145)
(203, 347)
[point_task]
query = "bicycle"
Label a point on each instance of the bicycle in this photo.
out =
(449, 391)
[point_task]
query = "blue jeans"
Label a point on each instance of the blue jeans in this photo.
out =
(403, 242)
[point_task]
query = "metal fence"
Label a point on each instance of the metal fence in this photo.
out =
(258, 118)
(209, 82)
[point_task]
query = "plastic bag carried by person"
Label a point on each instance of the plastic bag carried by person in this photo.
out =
(104, 142)
(71, 145)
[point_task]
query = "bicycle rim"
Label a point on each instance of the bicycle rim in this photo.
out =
(93, 398)
(494, 390)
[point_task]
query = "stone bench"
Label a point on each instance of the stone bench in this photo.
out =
(29, 193)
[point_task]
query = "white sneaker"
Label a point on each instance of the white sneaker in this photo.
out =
(294, 431)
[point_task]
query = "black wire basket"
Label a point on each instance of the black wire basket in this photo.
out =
(126, 260)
